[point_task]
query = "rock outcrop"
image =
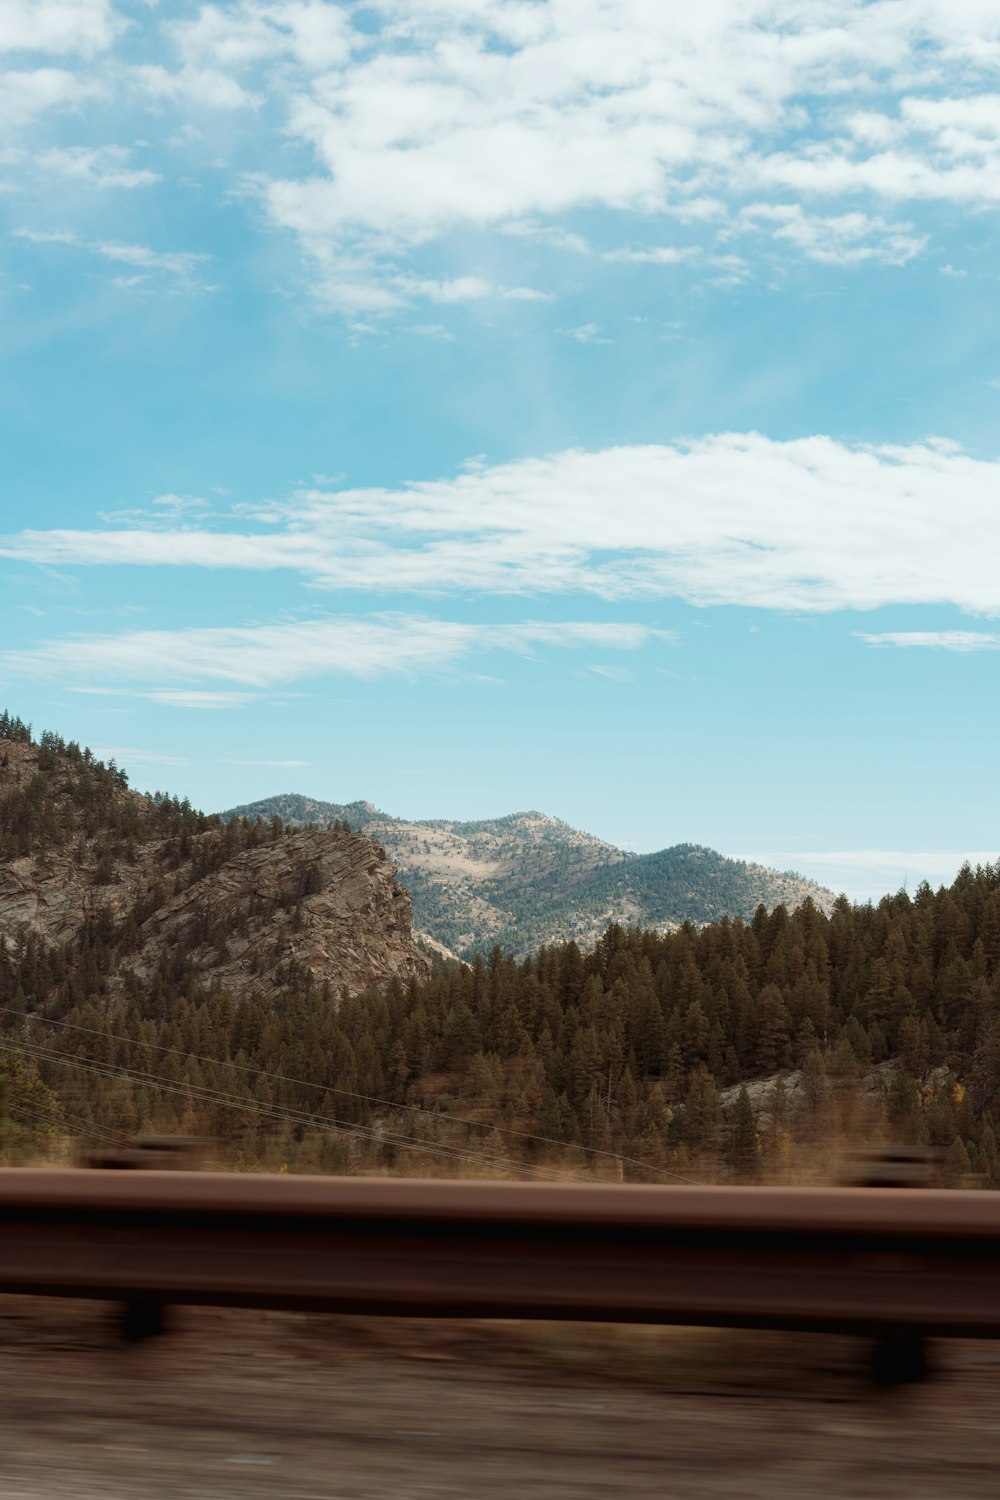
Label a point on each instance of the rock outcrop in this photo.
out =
(341, 916)
(250, 906)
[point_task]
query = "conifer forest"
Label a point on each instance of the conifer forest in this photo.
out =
(758, 1051)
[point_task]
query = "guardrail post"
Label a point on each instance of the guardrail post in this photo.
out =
(143, 1318)
(899, 1358)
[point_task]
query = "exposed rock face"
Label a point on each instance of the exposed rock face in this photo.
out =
(350, 922)
(252, 908)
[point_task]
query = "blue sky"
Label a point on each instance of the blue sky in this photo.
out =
(474, 405)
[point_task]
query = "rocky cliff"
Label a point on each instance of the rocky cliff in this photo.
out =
(153, 887)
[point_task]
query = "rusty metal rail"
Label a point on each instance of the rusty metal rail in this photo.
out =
(852, 1260)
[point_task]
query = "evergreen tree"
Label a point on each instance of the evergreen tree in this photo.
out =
(744, 1135)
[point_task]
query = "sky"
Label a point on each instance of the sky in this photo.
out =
(481, 405)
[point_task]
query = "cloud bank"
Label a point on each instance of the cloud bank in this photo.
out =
(368, 134)
(811, 524)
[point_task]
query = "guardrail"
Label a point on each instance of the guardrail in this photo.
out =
(849, 1260)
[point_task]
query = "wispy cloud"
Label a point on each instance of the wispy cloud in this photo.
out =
(268, 655)
(870, 874)
(183, 265)
(962, 641)
(655, 255)
(202, 88)
(586, 333)
(281, 764)
(432, 331)
(173, 698)
(613, 674)
(554, 235)
(847, 239)
(98, 166)
(130, 755)
(189, 698)
(736, 518)
(163, 512)
(464, 289)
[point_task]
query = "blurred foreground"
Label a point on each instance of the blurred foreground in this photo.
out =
(280, 1405)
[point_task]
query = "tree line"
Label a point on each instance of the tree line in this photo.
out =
(753, 1049)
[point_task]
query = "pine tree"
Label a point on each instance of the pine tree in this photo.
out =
(744, 1135)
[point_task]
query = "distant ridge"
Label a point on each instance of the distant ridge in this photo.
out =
(527, 880)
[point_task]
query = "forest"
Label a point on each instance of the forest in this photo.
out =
(760, 1050)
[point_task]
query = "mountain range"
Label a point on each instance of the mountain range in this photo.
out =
(527, 880)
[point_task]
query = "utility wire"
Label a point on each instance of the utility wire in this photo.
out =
(70, 1123)
(205, 1095)
(416, 1109)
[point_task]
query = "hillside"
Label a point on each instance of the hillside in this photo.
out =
(768, 1049)
(526, 880)
(163, 971)
(113, 889)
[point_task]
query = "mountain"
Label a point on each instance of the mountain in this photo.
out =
(527, 880)
(159, 973)
(115, 891)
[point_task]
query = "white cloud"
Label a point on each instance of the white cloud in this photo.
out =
(26, 95)
(464, 289)
(268, 655)
(613, 674)
(174, 505)
(432, 331)
(837, 239)
(175, 698)
(656, 255)
(368, 133)
(184, 265)
(961, 641)
(586, 333)
(193, 698)
(553, 235)
(282, 764)
(870, 874)
(180, 263)
(59, 26)
(317, 35)
(206, 88)
(733, 518)
(129, 755)
(101, 166)
(732, 270)
(510, 115)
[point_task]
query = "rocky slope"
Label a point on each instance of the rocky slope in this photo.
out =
(527, 880)
(84, 861)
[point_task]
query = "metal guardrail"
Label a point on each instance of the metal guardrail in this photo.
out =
(851, 1260)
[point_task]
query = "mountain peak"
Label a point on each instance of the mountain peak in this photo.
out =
(527, 879)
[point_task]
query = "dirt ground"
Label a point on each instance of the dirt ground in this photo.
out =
(244, 1405)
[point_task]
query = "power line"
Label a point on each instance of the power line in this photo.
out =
(416, 1109)
(206, 1095)
(70, 1123)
